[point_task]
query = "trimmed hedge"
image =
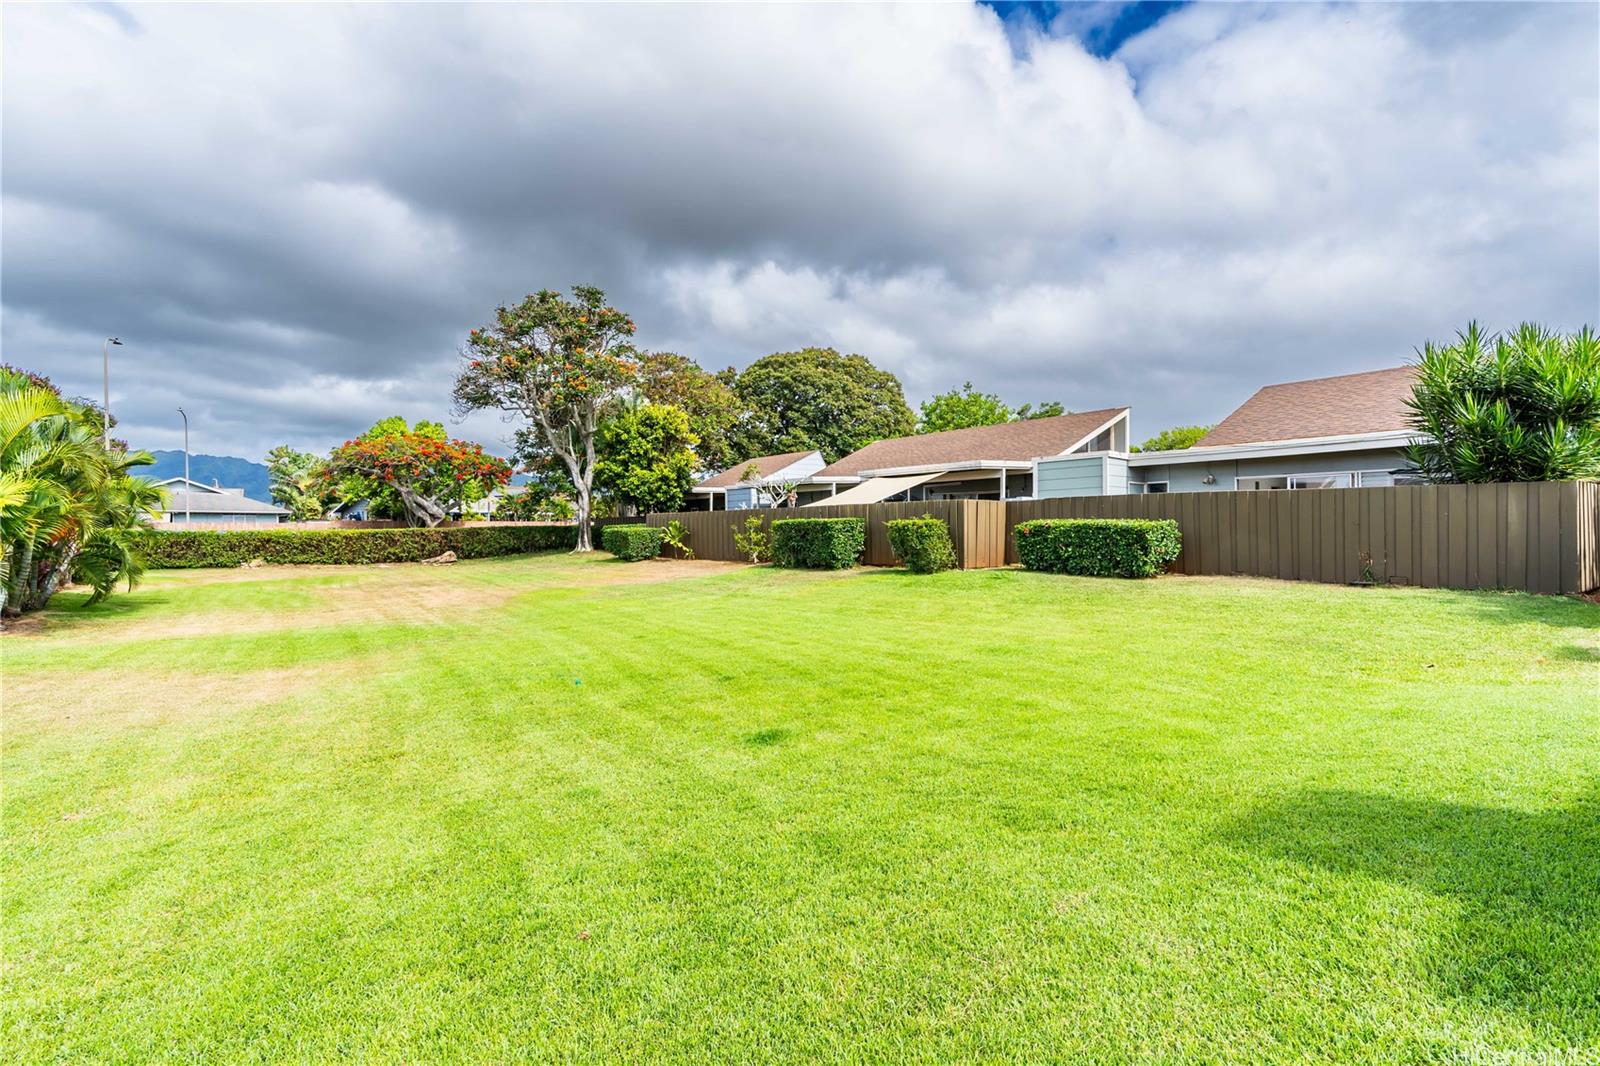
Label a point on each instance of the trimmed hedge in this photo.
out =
(1099, 547)
(818, 543)
(231, 547)
(923, 544)
(631, 543)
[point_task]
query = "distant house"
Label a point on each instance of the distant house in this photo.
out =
(1340, 432)
(739, 488)
(199, 504)
(981, 463)
(1348, 431)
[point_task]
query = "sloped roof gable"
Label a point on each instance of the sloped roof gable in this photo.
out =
(768, 465)
(1010, 441)
(1370, 402)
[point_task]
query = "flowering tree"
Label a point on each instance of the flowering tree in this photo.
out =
(560, 364)
(427, 473)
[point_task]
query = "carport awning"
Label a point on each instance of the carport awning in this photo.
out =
(875, 489)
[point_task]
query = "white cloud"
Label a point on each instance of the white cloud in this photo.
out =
(294, 213)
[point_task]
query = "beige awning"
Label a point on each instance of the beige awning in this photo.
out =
(874, 490)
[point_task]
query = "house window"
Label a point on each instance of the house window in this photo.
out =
(1250, 484)
(1155, 486)
(1321, 481)
(1375, 478)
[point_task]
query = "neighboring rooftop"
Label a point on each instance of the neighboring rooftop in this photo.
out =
(768, 465)
(1371, 402)
(205, 499)
(1022, 441)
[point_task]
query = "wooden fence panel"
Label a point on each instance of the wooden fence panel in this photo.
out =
(1539, 537)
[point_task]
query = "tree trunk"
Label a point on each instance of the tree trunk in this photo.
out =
(59, 577)
(584, 543)
(420, 511)
(16, 592)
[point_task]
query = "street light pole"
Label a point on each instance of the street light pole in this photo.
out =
(105, 381)
(186, 486)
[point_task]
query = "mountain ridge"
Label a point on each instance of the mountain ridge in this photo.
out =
(229, 471)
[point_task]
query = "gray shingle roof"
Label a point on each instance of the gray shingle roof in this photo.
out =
(219, 503)
(1015, 441)
(1371, 402)
(767, 464)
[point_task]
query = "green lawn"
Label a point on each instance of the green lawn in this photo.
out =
(541, 808)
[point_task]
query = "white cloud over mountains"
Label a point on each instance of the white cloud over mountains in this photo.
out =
(293, 214)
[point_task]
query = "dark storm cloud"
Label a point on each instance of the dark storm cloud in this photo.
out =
(293, 214)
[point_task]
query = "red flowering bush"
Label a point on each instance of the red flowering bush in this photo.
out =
(427, 473)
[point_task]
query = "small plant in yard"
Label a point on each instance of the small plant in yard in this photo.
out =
(923, 544)
(676, 536)
(753, 543)
(818, 543)
(631, 543)
(1099, 547)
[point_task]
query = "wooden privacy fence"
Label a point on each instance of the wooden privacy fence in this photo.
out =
(1541, 537)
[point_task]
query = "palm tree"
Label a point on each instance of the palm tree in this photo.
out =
(1523, 406)
(68, 506)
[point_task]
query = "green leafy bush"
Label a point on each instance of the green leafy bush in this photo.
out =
(1099, 547)
(818, 543)
(923, 544)
(675, 535)
(631, 543)
(753, 542)
(205, 548)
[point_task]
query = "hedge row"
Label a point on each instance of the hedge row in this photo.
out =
(923, 544)
(1099, 547)
(818, 543)
(201, 548)
(631, 543)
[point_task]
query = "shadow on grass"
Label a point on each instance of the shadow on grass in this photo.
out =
(71, 610)
(1528, 939)
(1528, 608)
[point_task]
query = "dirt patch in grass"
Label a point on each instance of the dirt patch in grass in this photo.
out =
(50, 700)
(378, 594)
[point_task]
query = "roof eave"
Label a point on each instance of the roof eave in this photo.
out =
(1347, 442)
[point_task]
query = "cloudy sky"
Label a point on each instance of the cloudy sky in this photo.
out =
(293, 214)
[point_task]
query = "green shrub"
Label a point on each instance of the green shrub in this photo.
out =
(1099, 547)
(753, 542)
(923, 544)
(631, 543)
(189, 548)
(818, 543)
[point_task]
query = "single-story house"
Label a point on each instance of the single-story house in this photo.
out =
(733, 490)
(213, 504)
(1348, 431)
(981, 463)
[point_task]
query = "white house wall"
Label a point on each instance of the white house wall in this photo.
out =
(1190, 477)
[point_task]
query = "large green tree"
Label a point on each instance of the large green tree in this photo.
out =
(962, 408)
(562, 365)
(1521, 406)
(966, 407)
(1175, 439)
(817, 398)
(70, 508)
(646, 459)
(299, 483)
(710, 404)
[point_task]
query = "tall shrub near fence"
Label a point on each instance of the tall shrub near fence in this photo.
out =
(1099, 547)
(923, 544)
(207, 548)
(818, 543)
